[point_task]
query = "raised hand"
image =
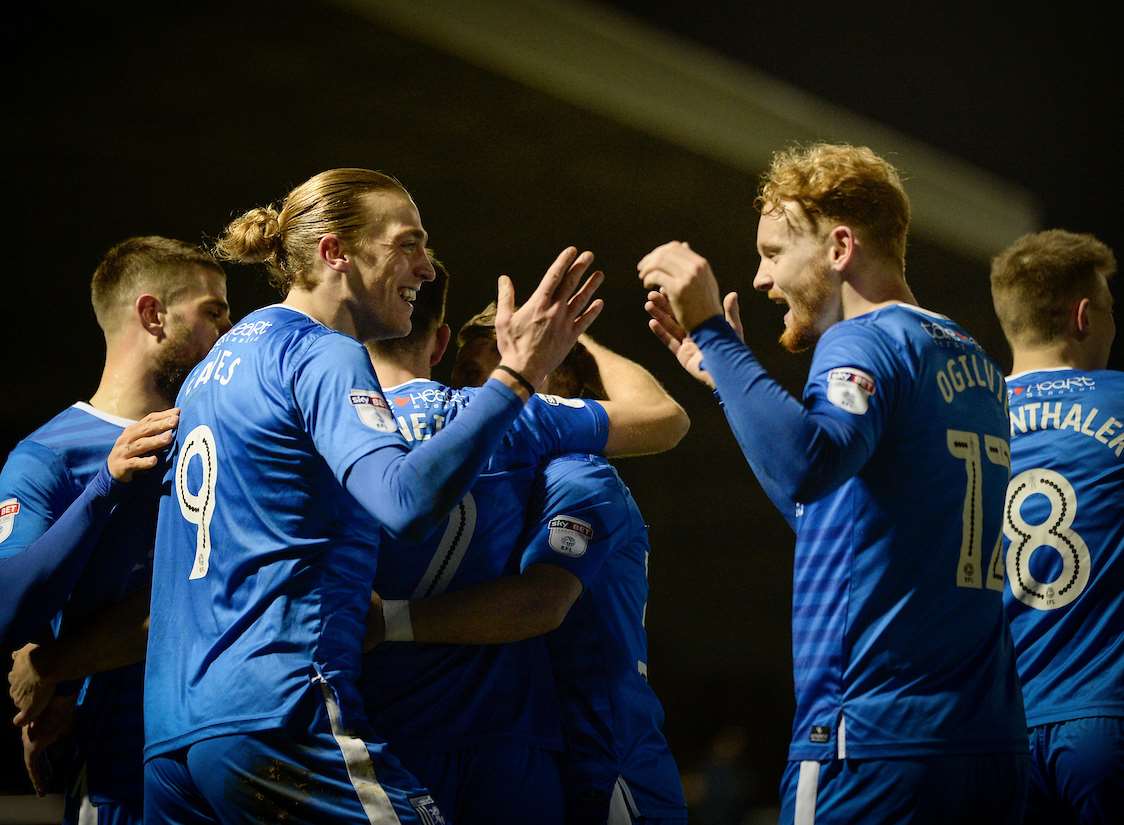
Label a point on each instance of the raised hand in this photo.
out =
(534, 339)
(685, 278)
(667, 328)
(135, 450)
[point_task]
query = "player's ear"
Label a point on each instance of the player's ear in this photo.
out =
(441, 343)
(150, 313)
(1080, 317)
(841, 248)
(331, 252)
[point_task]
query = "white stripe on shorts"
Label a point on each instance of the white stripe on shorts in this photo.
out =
(360, 769)
(622, 807)
(806, 788)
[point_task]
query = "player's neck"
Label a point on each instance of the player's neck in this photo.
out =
(128, 388)
(322, 304)
(1053, 356)
(392, 372)
(858, 296)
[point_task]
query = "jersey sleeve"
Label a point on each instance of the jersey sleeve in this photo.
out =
(802, 450)
(52, 544)
(343, 406)
(557, 425)
(34, 490)
(582, 509)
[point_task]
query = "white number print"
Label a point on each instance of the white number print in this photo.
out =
(199, 506)
(1054, 532)
(969, 570)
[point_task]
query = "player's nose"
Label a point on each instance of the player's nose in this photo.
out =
(762, 280)
(425, 270)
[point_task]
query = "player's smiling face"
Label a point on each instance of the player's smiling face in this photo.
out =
(795, 271)
(390, 266)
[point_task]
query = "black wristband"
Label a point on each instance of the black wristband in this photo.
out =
(515, 374)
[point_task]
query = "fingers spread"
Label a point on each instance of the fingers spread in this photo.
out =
(585, 294)
(556, 273)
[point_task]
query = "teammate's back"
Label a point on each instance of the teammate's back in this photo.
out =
(1064, 522)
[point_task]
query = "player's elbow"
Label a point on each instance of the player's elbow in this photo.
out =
(549, 594)
(660, 429)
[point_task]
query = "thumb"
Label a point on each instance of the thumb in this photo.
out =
(733, 313)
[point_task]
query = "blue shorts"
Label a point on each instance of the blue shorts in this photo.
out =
(591, 804)
(1076, 771)
(309, 773)
(966, 788)
(491, 784)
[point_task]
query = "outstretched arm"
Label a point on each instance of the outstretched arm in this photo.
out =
(508, 609)
(798, 453)
(643, 417)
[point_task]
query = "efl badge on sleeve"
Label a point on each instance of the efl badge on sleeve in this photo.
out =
(9, 509)
(373, 410)
(427, 810)
(850, 389)
(559, 401)
(570, 536)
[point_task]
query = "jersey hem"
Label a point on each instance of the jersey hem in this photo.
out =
(829, 752)
(225, 728)
(408, 741)
(1069, 714)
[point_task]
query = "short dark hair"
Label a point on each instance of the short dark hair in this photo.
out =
(146, 263)
(1035, 280)
(577, 375)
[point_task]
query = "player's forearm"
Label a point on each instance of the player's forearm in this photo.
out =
(38, 581)
(801, 457)
(409, 492)
(643, 417)
(115, 637)
(508, 609)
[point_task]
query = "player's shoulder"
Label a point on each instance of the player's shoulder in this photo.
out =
(1060, 383)
(426, 394)
(64, 450)
(75, 432)
(580, 474)
(279, 326)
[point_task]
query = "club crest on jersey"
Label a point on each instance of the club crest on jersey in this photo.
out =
(570, 536)
(557, 400)
(426, 809)
(373, 410)
(850, 389)
(9, 509)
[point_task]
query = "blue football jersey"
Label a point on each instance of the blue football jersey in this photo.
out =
(590, 525)
(900, 644)
(43, 475)
(1064, 538)
(264, 562)
(439, 697)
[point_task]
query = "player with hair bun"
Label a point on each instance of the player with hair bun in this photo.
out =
(289, 467)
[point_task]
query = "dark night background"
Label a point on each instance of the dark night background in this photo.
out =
(143, 121)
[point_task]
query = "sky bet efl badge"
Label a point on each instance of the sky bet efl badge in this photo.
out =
(850, 389)
(9, 509)
(570, 536)
(373, 410)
